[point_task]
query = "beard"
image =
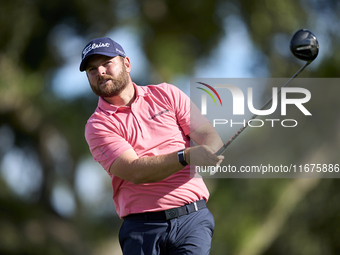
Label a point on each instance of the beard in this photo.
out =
(114, 88)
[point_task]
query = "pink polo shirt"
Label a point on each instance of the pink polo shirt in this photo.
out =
(157, 123)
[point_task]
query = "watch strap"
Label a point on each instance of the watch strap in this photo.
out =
(181, 158)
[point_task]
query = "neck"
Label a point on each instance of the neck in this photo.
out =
(125, 98)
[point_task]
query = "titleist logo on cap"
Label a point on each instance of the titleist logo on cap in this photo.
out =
(94, 46)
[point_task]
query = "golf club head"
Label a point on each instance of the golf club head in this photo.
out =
(304, 45)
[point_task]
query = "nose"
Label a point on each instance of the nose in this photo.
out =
(101, 70)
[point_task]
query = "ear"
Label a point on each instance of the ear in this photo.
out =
(127, 64)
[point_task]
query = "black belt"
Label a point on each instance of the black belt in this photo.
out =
(168, 214)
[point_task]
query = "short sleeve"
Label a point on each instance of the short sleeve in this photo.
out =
(104, 142)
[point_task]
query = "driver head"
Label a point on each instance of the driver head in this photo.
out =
(304, 45)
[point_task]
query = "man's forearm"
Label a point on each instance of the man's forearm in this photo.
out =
(207, 135)
(147, 169)
(212, 140)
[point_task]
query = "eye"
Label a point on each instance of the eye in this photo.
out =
(90, 69)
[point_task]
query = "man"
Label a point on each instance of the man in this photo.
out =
(141, 137)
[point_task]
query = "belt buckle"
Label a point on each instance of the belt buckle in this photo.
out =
(195, 205)
(171, 214)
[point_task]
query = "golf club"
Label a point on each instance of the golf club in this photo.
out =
(304, 46)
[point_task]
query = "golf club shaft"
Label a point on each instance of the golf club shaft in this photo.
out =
(226, 145)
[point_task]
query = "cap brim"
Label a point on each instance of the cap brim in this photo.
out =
(84, 61)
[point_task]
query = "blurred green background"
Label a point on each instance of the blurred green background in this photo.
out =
(55, 200)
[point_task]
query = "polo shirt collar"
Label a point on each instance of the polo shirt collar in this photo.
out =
(110, 108)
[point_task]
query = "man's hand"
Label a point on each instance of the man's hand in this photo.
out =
(209, 142)
(202, 155)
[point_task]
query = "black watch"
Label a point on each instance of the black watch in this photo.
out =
(181, 158)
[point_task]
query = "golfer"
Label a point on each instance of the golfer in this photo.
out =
(141, 137)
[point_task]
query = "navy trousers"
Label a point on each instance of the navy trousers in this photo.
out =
(188, 234)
